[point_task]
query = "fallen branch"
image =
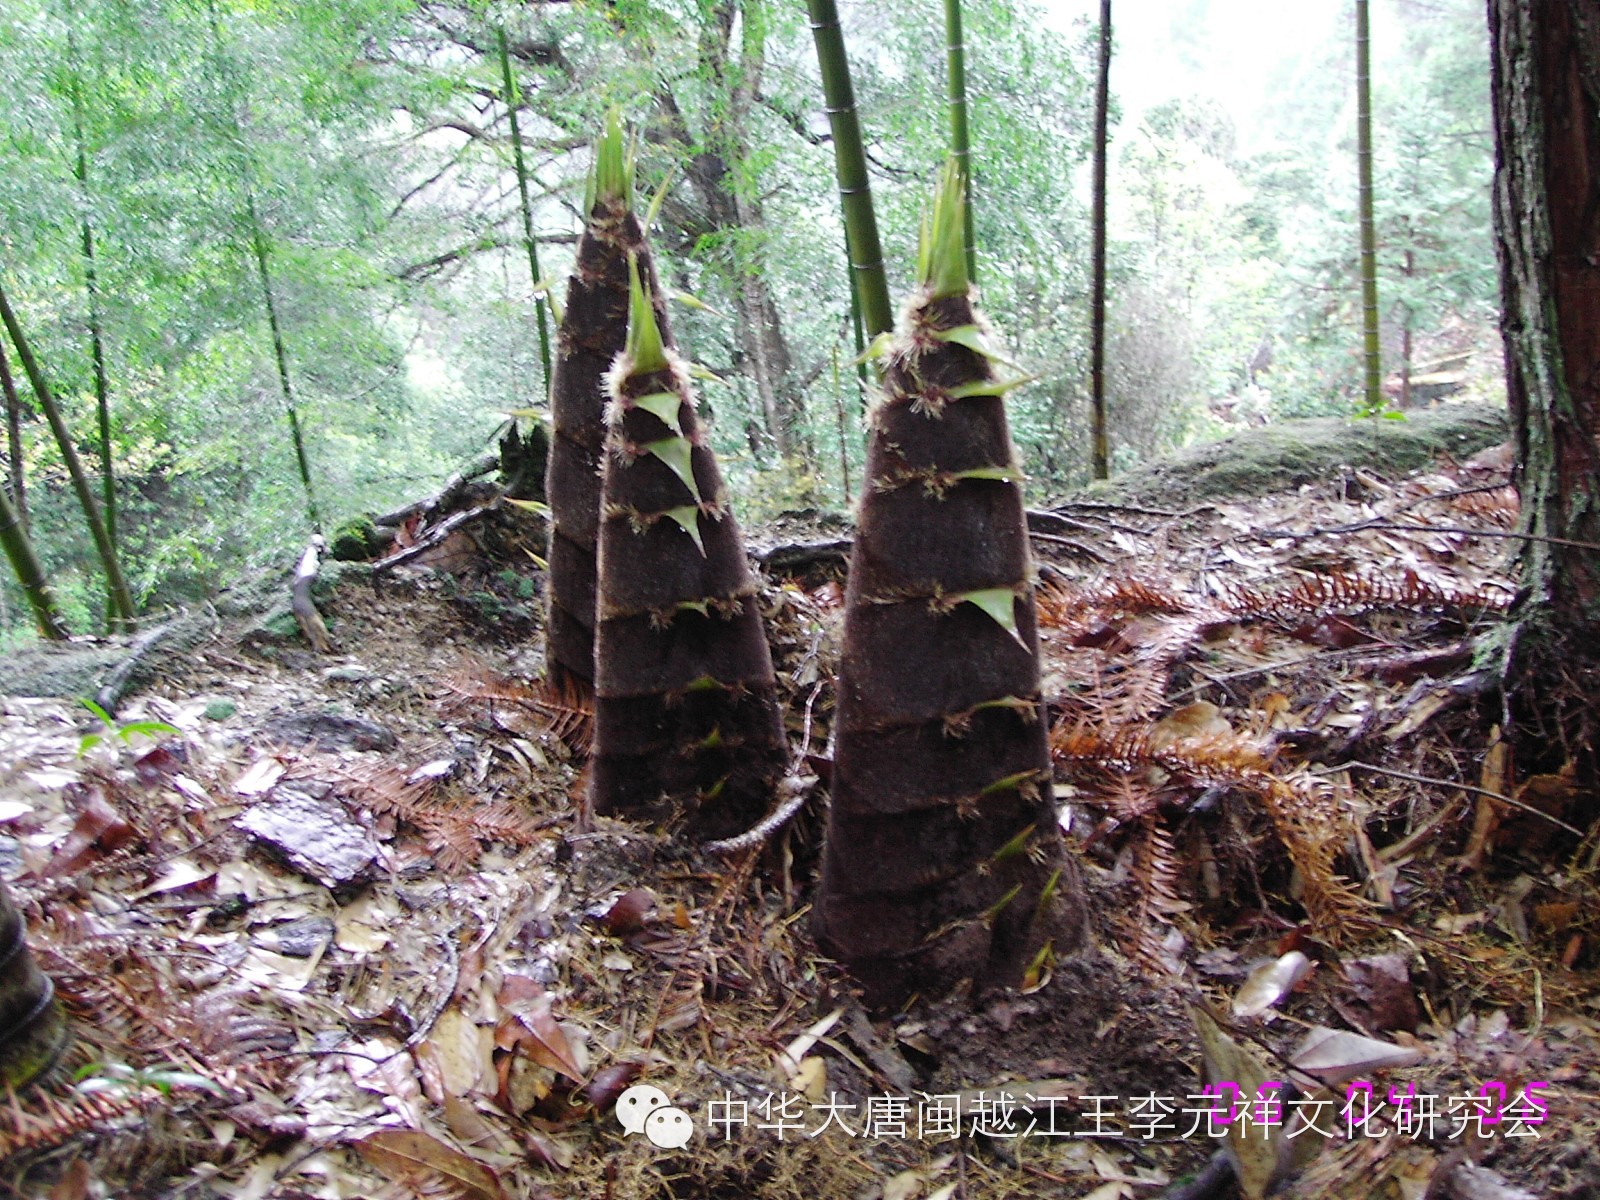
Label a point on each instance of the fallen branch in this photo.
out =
(434, 536)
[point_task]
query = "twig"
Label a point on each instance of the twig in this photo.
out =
(1450, 783)
(1103, 506)
(1397, 527)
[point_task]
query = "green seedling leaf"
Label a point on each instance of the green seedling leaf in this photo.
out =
(688, 519)
(149, 729)
(88, 742)
(533, 506)
(526, 414)
(664, 407)
(644, 345)
(988, 387)
(999, 603)
(96, 710)
(678, 454)
(1015, 846)
(537, 561)
(706, 684)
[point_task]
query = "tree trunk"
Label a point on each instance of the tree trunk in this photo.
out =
(121, 600)
(33, 1029)
(25, 563)
(1546, 73)
(1100, 456)
(1369, 236)
(19, 480)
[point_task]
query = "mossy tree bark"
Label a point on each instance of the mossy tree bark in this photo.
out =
(33, 1029)
(943, 861)
(687, 727)
(1547, 217)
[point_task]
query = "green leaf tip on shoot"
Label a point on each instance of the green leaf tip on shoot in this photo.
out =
(611, 179)
(997, 603)
(942, 252)
(644, 346)
(677, 453)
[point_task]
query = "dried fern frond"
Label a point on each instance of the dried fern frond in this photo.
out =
(1155, 871)
(1345, 592)
(48, 1122)
(1304, 811)
(452, 826)
(561, 710)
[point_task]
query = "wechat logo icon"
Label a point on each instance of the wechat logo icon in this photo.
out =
(646, 1109)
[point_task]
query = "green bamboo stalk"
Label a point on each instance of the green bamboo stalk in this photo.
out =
(120, 599)
(280, 352)
(1369, 235)
(30, 574)
(1101, 445)
(512, 100)
(960, 137)
(867, 274)
(262, 255)
(19, 481)
(97, 351)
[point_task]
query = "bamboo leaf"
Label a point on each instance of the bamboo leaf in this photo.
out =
(696, 371)
(678, 454)
(533, 506)
(406, 1156)
(659, 198)
(1009, 474)
(644, 344)
(1015, 846)
(688, 519)
(689, 300)
(877, 348)
(1000, 905)
(942, 257)
(972, 338)
(999, 603)
(1009, 783)
(989, 387)
(664, 406)
(612, 177)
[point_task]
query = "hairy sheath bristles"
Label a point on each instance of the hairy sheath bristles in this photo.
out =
(687, 727)
(944, 860)
(594, 327)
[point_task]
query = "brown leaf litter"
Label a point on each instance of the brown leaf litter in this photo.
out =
(307, 967)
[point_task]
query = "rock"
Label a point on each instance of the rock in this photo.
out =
(329, 731)
(306, 825)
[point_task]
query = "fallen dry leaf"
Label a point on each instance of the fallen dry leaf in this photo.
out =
(409, 1157)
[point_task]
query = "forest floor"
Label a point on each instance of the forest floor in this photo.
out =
(343, 929)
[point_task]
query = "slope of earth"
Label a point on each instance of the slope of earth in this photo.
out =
(335, 926)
